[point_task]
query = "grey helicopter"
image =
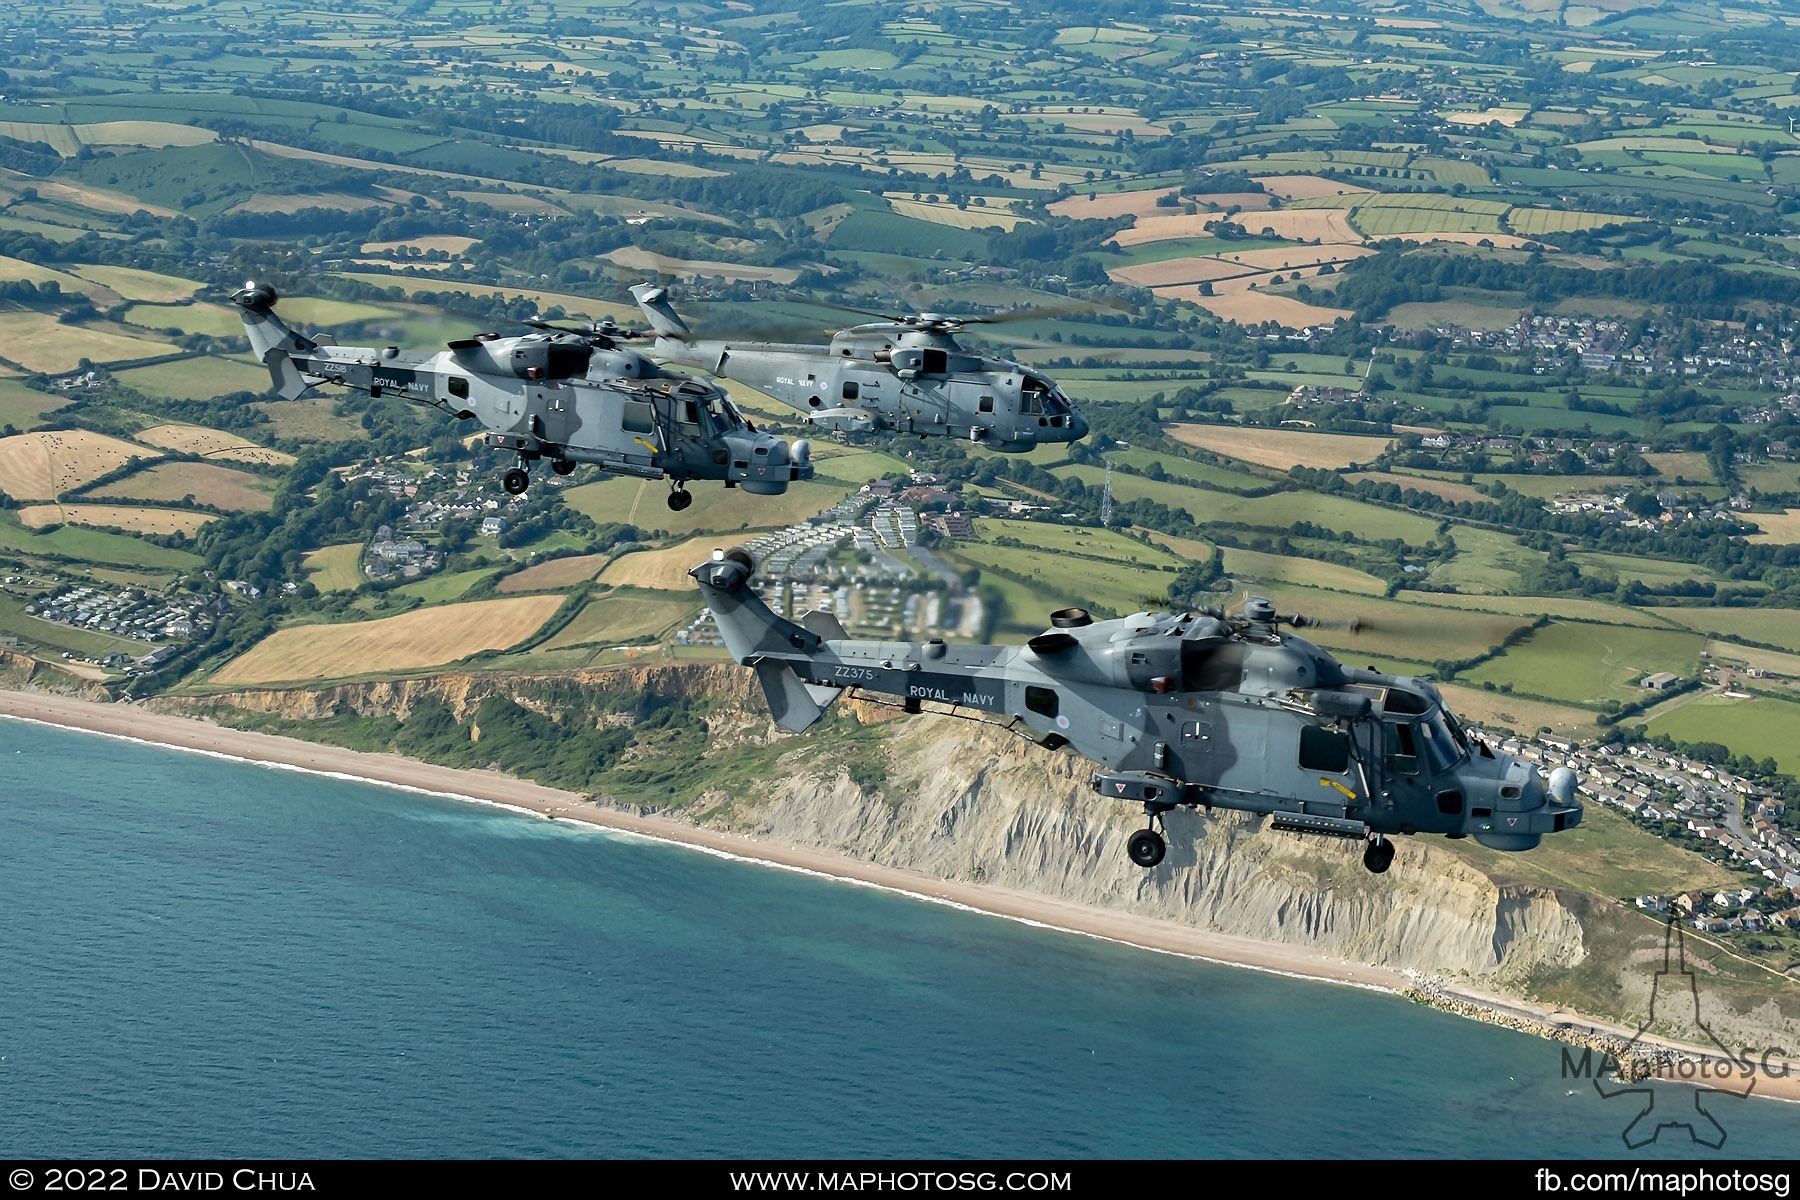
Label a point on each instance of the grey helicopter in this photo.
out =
(1208, 709)
(904, 373)
(569, 396)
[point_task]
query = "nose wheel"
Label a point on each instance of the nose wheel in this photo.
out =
(680, 498)
(1378, 855)
(515, 481)
(1147, 846)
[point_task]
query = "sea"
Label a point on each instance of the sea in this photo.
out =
(202, 957)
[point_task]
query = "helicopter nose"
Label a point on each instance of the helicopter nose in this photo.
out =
(1078, 426)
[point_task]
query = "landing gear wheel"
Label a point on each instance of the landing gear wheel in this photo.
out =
(738, 554)
(680, 499)
(515, 482)
(563, 466)
(1378, 856)
(1146, 848)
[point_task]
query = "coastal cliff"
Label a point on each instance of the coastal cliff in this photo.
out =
(967, 802)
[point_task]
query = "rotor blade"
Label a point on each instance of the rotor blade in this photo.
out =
(1025, 314)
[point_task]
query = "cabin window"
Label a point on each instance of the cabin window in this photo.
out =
(1324, 749)
(1450, 803)
(851, 390)
(987, 404)
(937, 362)
(690, 413)
(1042, 700)
(459, 387)
(636, 416)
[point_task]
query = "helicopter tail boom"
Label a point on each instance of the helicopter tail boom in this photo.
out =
(271, 340)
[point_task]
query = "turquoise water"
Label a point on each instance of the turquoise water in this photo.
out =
(201, 957)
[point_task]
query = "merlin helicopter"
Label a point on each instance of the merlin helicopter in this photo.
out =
(904, 373)
(569, 396)
(1207, 709)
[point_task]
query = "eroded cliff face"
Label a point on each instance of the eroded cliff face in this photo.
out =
(963, 800)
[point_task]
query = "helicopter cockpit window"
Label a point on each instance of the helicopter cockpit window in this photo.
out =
(690, 413)
(1399, 700)
(936, 362)
(1401, 750)
(1042, 700)
(1324, 749)
(1032, 394)
(636, 416)
(1440, 747)
(459, 387)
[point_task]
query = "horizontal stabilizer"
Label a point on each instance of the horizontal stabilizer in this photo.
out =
(824, 624)
(794, 704)
(284, 373)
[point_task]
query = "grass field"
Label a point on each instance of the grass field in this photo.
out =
(1280, 448)
(1120, 587)
(124, 517)
(664, 570)
(1076, 541)
(1487, 561)
(23, 408)
(1598, 611)
(1496, 711)
(1781, 527)
(39, 342)
(92, 546)
(335, 568)
(1606, 854)
(213, 443)
(134, 284)
(1761, 728)
(1588, 664)
(1252, 566)
(42, 466)
(200, 378)
(617, 619)
(442, 587)
(715, 508)
(310, 419)
(1778, 627)
(220, 487)
(555, 575)
(429, 637)
(214, 320)
(1279, 511)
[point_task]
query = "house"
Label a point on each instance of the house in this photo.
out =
(493, 526)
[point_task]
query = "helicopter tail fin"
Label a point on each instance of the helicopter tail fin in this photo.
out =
(772, 644)
(653, 299)
(270, 339)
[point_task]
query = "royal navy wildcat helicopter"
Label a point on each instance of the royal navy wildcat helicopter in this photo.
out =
(1199, 708)
(903, 373)
(566, 395)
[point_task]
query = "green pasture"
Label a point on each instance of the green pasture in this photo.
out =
(335, 568)
(1587, 664)
(623, 617)
(1763, 727)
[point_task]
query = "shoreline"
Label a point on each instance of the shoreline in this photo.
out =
(187, 734)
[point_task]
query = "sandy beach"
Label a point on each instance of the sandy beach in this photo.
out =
(487, 787)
